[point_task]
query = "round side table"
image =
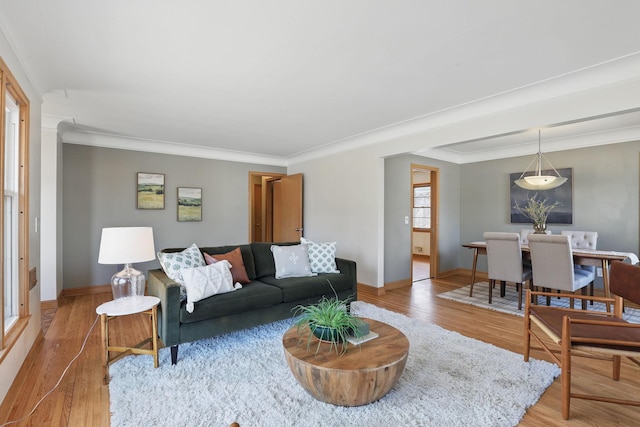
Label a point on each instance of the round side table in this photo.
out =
(123, 307)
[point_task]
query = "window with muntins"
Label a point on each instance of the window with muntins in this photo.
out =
(10, 244)
(14, 264)
(422, 207)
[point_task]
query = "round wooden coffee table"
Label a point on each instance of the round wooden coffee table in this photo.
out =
(364, 374)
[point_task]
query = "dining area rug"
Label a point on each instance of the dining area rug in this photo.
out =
(509, 303)
(449, 380)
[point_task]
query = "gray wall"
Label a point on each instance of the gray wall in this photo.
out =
(397, 205)
(474, 198)
(99, 190)
(605, 196)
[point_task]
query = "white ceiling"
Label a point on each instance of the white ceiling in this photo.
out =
(281, 78)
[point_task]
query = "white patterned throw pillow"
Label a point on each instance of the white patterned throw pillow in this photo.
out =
(322, 256)
(203, 282)
(173, 262)
(291, 261)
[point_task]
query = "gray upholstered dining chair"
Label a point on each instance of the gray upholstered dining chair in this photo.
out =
(584, 240)
(524, 233)
(552, 263)
(504, 258)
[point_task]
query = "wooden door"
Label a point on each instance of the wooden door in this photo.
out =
(256, 214)
(260, 205)
(287, 208)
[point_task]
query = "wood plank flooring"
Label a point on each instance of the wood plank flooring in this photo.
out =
(421, 266)
(82, 399)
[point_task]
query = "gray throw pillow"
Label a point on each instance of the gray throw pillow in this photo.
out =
(291, 261)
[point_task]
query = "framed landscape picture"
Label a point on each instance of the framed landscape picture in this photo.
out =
(189, 204)
(150, 190)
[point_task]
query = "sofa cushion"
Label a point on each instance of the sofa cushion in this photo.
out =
(263, 257)
(298, 288)
(238, 271)
(173, 262)
(322, 256)
(251, 296)
(245, 250)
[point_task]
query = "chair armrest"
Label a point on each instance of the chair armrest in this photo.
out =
(168, 291)
(574, 296)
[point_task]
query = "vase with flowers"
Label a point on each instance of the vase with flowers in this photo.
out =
(537, 210)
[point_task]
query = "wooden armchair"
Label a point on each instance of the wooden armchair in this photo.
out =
(588, 333)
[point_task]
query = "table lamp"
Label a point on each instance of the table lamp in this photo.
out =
(126, 245)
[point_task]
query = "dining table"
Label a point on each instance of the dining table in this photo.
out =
(597, 258)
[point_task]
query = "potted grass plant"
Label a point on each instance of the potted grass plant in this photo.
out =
(329, 321)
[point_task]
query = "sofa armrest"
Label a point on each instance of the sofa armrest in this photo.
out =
(159, 285)
(348, 267)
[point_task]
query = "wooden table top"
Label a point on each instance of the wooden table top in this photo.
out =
(387, 349)
(582, 253)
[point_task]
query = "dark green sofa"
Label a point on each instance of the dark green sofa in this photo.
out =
(264, 300)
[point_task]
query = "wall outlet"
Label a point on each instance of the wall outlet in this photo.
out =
(599, 272)
(406, 220)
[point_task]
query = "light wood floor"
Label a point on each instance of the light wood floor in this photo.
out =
(82, 400)
(421, 266)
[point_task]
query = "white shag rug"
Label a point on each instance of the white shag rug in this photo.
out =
(509, 303)
(449, 380)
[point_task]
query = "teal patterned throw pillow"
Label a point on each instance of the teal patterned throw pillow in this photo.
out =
(173, 262)
(322, 256)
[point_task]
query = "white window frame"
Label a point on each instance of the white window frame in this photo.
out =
(428, 208)
(11, 264)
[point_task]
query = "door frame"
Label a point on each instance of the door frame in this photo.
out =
(435, 202)
(260, 178)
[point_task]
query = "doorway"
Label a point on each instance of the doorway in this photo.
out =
(424, 220)
(258, 205)
(275, 207)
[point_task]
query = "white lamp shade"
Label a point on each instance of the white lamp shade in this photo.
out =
(126, 245)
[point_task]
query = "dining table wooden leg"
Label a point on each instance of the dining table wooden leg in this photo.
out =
(605, 281)
(473, 270)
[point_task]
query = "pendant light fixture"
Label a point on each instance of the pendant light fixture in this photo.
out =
(539, 181)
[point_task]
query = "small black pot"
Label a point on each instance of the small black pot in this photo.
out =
(324, 333)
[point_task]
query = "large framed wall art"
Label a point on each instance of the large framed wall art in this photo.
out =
(561, 214)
